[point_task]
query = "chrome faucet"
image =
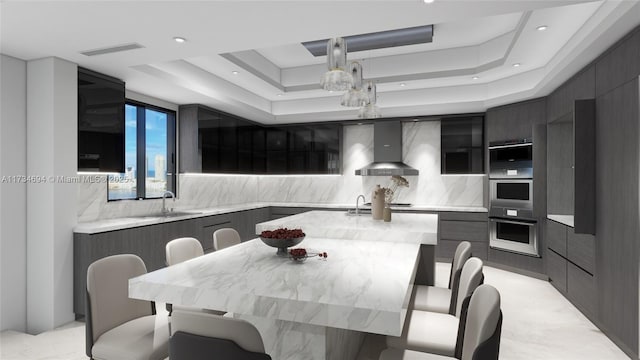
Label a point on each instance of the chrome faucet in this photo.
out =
(358, 202)
(164, 197)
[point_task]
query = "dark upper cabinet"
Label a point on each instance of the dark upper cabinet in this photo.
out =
(229, 144)
(462, 145)
(209, 139)
(258, 147)
(101, 101)
(325, 153)
(228, 139)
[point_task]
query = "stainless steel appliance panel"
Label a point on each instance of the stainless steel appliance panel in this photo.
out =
(514, 194)
(514, 235)
(512, 161)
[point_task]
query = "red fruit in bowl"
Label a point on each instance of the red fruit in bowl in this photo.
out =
(282, 233)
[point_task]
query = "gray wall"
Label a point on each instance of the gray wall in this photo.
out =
(13, 211)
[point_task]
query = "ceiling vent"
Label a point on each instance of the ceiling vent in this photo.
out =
(377, 40)
(112, 49)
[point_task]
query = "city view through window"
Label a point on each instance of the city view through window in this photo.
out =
(154, 168)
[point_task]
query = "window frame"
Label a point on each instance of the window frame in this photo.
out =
(141, 149)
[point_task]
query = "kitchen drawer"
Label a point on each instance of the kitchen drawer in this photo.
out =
(557, 237)
(463, 216)
(447, 248)
(464, 230)
(557, 271)
(581, 250)
(278, 212)
(581, 290)
(209, 225)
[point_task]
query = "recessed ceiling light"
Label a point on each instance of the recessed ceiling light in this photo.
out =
(279, 95)
(359, 123)
(415, 120)
(475, 78)
(235, 72)
(179, 39)
(403, 84)
(330, 91)
(427, 1)
(542, 28)
(516, 65)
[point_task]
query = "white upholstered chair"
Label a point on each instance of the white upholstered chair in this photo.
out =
(436, 332)
(182, 249)
(200, 336)
(118, 327)
(438, 299)
(223, 238)
(177, 251)
(481, 331)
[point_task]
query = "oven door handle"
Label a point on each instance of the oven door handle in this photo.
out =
(527, 223)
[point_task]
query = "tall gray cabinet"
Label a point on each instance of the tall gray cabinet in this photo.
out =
(595, 263)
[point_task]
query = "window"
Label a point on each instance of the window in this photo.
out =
(149, 154)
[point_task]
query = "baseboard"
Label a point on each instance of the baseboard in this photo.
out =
(532, 274)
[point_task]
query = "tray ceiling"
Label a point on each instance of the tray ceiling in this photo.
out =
(246, 57)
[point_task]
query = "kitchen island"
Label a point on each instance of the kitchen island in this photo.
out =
(318, 309)
(405, 227)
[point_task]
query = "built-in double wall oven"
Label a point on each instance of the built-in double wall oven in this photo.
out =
(512, 225)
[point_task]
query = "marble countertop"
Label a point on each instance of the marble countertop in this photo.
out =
(403, 227)
(135, 221)
(562, 219)
(351, 289)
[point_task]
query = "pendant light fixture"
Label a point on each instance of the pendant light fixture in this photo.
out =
(356, 96)
(336, 79)
(370, 110)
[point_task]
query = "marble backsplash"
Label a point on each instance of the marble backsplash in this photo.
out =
(421, 150)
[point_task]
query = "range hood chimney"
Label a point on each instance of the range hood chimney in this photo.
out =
(387, 152)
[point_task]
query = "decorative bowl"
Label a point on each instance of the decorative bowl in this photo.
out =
(282, 244)
(298, 255)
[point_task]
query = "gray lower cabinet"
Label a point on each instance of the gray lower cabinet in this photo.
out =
(572, 273)
(581, 250)
(581, 290)
(557, 270)
(283, 211)
(149, 243)
(557, 237)
(209, 225)
(455, 227)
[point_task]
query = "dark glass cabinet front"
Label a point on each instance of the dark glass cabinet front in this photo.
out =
(462, 145)
(231, 145)
(101, 101)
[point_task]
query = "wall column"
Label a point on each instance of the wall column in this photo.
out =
(51, 203)
(13, 194)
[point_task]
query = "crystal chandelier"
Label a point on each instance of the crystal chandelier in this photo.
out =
(370, 110)
(336, 79)
(356, 96)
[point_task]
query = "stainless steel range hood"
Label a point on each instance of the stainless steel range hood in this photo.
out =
(387, 152)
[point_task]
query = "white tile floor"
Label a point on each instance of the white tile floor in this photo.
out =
(538, 324)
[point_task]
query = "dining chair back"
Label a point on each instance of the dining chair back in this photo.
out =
(111, 316)
(182, 249)
(223, 238)
(470, 278)
(483, 325)
(462, 254)
(197, 336)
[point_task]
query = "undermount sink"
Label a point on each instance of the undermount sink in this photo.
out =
(352, 212)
